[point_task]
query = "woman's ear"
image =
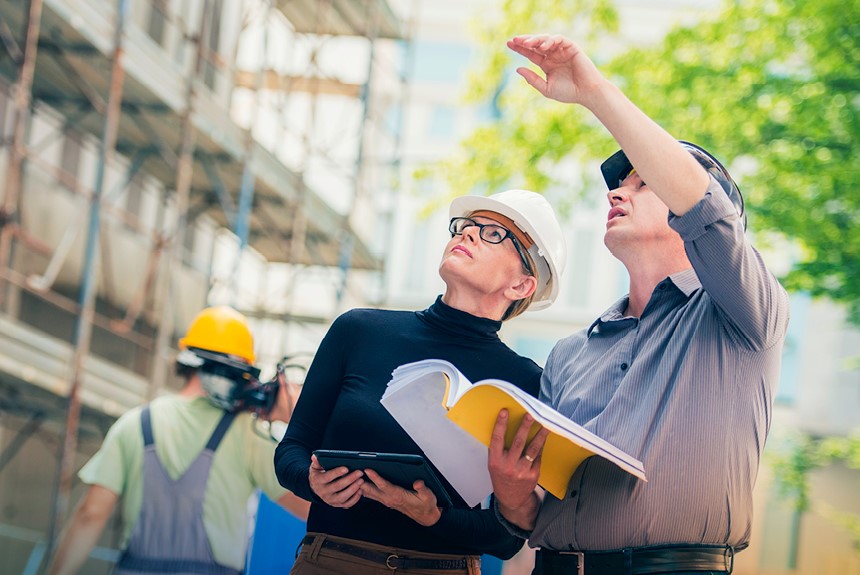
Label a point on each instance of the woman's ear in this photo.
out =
(524, 287)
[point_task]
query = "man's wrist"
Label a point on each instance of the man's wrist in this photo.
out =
(522, 514)
(599, 96)
(512, 528)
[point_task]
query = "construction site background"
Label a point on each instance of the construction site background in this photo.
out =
(160, 156)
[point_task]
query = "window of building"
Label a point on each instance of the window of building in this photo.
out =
(134, 198)
(536, 348)
(159, 15)
(70, 159)
(442, 122)
(212, 43)
(189, 235)
(786, 392)
(4, 105)
(780, 533)
(440, 62)
(417, 267)
(579, 268)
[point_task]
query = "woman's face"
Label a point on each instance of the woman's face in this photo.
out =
(471, 262)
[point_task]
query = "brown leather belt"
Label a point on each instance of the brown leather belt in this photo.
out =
(636, 561)
(392, 561)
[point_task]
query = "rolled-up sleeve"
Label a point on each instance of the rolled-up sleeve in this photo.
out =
(753, 303)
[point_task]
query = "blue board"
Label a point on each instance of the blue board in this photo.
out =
(277, 534)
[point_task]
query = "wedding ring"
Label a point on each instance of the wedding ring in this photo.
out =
(528, 457)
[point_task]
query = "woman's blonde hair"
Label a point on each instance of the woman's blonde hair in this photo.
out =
(521, 305)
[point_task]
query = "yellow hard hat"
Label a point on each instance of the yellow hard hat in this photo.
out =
(221, 329)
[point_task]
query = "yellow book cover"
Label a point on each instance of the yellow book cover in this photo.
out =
(451, 419)
(567, 445)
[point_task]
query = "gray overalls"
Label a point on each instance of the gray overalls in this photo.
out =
(169, 536)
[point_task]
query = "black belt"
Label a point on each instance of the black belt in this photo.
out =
(637, 561)
(390, 560)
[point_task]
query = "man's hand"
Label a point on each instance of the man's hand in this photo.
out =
(83, 531)
(419, 505)
(570, 74)
(295, 505)
(285, 403)
(571, 77)
(337, 487)
(515, 471)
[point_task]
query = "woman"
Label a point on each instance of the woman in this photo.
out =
(505, 255)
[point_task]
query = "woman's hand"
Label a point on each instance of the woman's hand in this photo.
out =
(337, 487)
(419, 505)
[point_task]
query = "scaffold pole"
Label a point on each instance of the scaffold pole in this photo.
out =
(23, 95)
(89, 287)
(175, 232)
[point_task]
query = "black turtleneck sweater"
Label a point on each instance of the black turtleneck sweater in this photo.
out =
(339, 409)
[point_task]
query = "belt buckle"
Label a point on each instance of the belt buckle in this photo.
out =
(389, 559)
(580, 560)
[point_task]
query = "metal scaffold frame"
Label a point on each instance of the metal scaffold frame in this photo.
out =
(317, 24)
(204, 167)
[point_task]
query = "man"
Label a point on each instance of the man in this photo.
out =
(680, 372)
(185, 464)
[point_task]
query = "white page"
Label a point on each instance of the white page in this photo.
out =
(407, 373)
(417, 407)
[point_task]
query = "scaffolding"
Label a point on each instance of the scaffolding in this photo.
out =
(370, 114)
(100, 268)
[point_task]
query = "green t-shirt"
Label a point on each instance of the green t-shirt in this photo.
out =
(181, 428)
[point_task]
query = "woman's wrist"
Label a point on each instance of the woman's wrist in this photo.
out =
(431, 518)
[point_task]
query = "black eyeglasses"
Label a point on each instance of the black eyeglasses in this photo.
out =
(490, 233)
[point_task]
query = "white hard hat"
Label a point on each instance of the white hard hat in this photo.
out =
(534, 216)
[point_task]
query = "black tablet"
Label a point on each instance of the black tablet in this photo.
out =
(398, 468)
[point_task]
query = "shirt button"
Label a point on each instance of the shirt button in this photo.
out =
(573, 493)
(623, 367)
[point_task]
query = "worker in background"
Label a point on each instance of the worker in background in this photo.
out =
(185, 464)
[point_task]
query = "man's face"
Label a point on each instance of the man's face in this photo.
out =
(636, 217)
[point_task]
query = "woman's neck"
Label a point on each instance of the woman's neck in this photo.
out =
(480, 305)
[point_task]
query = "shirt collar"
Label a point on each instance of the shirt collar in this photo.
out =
(686, 281)
(614, 313)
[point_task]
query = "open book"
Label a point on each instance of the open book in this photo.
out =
(451, 419)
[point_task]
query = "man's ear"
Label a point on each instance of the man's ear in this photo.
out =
(525, 286)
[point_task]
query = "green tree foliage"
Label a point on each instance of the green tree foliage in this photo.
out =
(530, 135)
(772, 87)
(796, 457)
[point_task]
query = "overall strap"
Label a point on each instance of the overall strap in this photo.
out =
(214, 440)
(220, 430)
(146, 425)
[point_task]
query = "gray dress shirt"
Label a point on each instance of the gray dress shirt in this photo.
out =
(687, 389)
